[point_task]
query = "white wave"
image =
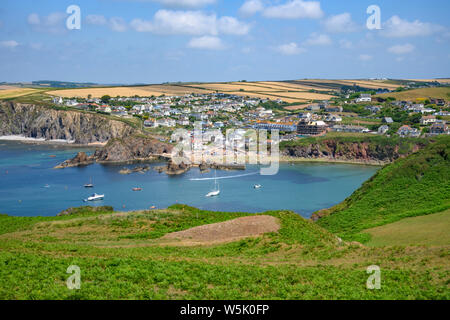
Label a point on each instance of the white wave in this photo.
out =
(226, 177)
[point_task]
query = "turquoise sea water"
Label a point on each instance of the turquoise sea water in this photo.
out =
(26, 169)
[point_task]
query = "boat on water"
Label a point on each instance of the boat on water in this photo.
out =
(137, 189)
(216, 190)
(95, 197)
(47, 186)
(257, 186)
(89, 185)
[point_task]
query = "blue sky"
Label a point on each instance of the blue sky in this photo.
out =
(154, 41)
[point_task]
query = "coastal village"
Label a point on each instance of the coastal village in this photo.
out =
(348, 112)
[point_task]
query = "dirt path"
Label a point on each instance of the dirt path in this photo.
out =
(227, 231)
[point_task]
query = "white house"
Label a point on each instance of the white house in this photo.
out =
(365, 97)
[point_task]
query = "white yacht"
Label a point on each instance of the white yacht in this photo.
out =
(89, 185)
(257, 186)
(216, 190)
(95, 197)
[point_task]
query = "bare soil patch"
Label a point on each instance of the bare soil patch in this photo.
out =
(227, 231)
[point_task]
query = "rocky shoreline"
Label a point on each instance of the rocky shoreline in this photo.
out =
(45, 124)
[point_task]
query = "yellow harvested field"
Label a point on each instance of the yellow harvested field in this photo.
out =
(445, 81)
(265, 96)
(6, 87)
(14, 93)
(372, 84)
(421, 94)
(144, 91)
(227, 87)
(305, 95)
(292, 86)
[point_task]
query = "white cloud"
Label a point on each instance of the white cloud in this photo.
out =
(10, 44)
(33, 19)
(230, 25)
(36, 45)
(401, 49)
(96, 19)
(191, 23)
(53, 23)
(186, 3)
(207, 43)
(290, 49)
(340, 23)
(345, 44)
(396, 27)
(316, 39)
(365, 57)
(118, 24)
(295, 9)
(250, 7)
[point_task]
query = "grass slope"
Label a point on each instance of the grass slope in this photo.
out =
(423, 93)
(413, 186)
(432, 230)
(121, 256)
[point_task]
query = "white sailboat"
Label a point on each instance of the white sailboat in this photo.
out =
(216, 190)
(95, 197)
(89, 185)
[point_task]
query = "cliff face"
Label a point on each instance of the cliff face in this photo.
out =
(332, 149)
(39, 122)
(132, 148)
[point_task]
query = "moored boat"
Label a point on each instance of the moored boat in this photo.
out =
(95, 197)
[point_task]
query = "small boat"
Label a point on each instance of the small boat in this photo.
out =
(257, 186)
(95, 197)
(47, 186)
(216, 190)
(89, 185)
(52, 156)
(137, 189)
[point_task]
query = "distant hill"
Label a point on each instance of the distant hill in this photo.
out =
(413, 186)
(422, 93)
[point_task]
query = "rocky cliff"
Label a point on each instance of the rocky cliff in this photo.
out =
(132, 148)
(121, 150)
(40, 122)
(376, 150)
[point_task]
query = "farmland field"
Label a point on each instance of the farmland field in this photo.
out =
(16, 92)
(423, 93)
(156, 90)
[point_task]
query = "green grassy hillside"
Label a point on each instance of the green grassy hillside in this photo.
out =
(122, 256)
(432, 230)
(413, 186)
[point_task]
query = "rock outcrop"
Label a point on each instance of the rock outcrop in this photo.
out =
(81, 159)
(334, 149)
(127, 150)
(132, 148)
(33, 121)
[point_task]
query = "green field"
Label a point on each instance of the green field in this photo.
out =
(122, 256)
(432, 230)
(412, 186)
(423, 93)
